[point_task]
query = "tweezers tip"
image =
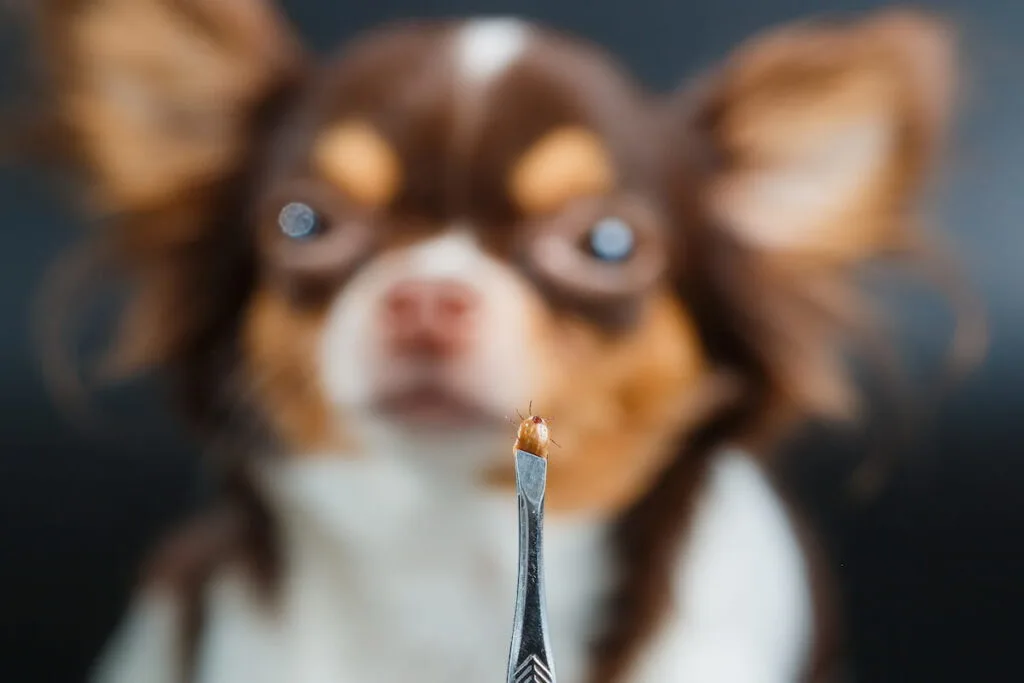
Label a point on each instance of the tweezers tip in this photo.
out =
(531, 474)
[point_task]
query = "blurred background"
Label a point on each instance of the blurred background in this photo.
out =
(931, 567)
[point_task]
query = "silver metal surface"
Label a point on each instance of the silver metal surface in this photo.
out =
(529, 658)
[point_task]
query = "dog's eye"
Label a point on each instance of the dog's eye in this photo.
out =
(599, 250)
(299, 221)
(611, 239)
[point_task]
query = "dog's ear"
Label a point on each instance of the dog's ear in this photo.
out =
(160, 107)
(822, 134)
(805, 153)
(155, 97)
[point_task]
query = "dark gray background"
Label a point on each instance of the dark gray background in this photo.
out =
(931, 569)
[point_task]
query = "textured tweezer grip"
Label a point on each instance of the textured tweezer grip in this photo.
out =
(532, 670)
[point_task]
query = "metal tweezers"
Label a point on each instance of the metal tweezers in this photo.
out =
(529, 659)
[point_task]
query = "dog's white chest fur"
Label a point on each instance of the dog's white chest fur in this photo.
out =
(395, 577)
(399, 576)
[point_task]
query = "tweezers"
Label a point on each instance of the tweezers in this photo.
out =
(529, 658)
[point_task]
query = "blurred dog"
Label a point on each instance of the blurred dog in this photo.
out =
(352, 271)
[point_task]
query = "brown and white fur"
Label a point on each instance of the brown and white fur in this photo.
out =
(352, 386)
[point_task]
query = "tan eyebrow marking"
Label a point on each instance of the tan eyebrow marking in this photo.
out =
(565, 164)
(359, 161)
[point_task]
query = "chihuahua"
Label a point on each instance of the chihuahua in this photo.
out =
(352, 270)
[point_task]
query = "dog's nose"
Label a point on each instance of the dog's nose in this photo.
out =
(431, 318)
